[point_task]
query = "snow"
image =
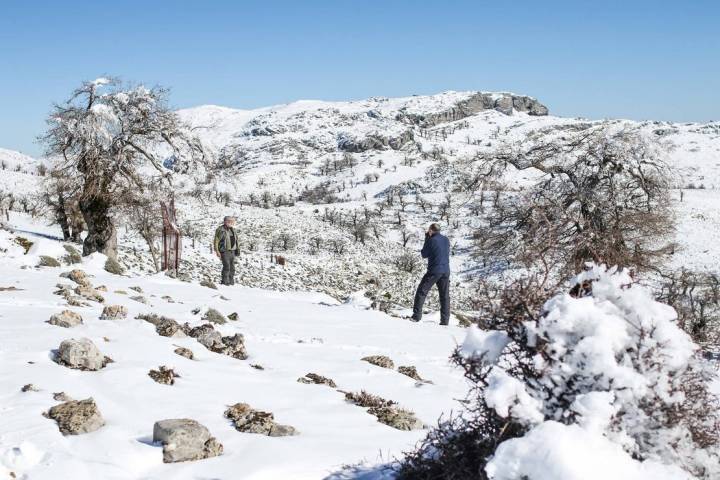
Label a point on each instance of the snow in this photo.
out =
(553, 451)
(289, 334)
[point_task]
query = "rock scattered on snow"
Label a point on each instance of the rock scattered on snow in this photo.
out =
(29, 388)
(114, 312)
(380, 361)
(136, 288)
(213, 316)
(164, 326)
(61, 397)
(48, 261)
(114, 267)
(77, 416)
(184, 440)
(411, 372)
(233, 316)
(81, 354)
(206, 282)
(164, 375)
(89, 293)
(78, 276)
(73, 255)
(140, 299)
(314, 378)
(386, 411)
(185, 352)
(232, 345)
(66, 319)
(248, 420)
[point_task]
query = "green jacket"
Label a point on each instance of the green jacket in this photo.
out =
(223, 239)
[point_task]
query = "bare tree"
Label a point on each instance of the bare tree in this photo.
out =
(107, 143)
(603, 196)
(144, 218)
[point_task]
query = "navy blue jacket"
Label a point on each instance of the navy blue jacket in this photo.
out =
(437, 250)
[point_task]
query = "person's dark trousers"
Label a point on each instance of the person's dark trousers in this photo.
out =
(442, 280)
(228, 267)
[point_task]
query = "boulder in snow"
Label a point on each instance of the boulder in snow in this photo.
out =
(66, 319)
(81, 354)
(380, 361)
(114, 312)
(184, 440)
(77, 416)
(248, 420)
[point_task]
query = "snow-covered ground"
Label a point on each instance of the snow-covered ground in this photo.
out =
(288, 334)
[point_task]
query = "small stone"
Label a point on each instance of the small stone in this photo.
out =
(89, 293)
(78, 276)
(61, 397)
(248, 420)
(168, 298)
(235, 346)
(185, 352)
(395, 417)
(184, 439)
(76, 417)
(73, 255)
(114, 267)
(314, 378)
(48, 261)
(101, 288)
(81, 354)
(380, 361)
(233, 316)
(114, 312)
(206, 282)
(29, 388)
(213, 316)
(121, 292)
(164, 375)
(136, 289)
(66, 319)
(411, 372)
(140, 299)
(257, 366)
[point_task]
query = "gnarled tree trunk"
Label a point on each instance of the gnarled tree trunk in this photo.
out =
(101, 236)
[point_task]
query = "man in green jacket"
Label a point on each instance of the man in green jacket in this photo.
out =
(225, 246)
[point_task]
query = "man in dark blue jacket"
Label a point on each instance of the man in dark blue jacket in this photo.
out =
(437, 250)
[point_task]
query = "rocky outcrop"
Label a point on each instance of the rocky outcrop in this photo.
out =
(502, 102)
(76, 416)
(66, 319)
(184, 440)
(81, 354)
(375, 141)
(248, 420)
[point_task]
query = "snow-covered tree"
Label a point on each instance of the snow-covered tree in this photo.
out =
(109, 140)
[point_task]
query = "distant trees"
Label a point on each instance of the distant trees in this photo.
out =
(108, 139)
(602, 196)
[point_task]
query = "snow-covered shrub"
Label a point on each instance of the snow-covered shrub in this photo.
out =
(599, 376)
(695, 296)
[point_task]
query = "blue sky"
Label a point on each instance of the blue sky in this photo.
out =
(630, 59)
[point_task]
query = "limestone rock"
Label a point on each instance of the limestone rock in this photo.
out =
(61, 397)
(48, 261)
(233, 316)
(81, 354)
(410, 371)
(29, 388)
(184, 440)
(185, 352)
(114, 267)
(78, 276)
(206, 282)
(396, 417)
(77, 416)
(380, 361)
(89, 293)
(234, 346)
(248, 420)
(213, 316)
(114, 312)
(317, 379)
(73, 255)
(164, 375)
(66, 319)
